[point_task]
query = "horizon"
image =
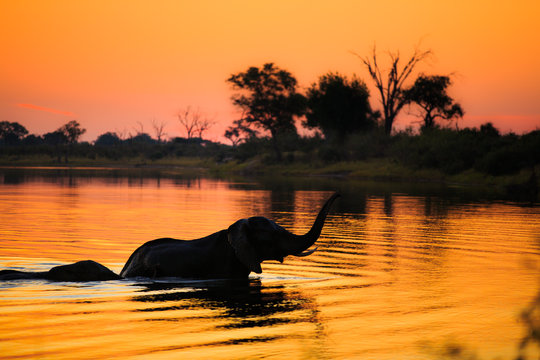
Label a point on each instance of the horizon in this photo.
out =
(114, 66)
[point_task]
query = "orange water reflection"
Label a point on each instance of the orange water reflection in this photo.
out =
(395, 275)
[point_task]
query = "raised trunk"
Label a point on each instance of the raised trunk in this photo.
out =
(299, 243)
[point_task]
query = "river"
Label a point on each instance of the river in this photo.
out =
(401, 271)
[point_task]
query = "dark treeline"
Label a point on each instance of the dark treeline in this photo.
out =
(336, 108)
(449, 150)
(108, 146)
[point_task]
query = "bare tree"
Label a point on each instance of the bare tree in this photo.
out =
(188, 119)
(138, 130)
(391, 88)
(122, 135)
(194, 122)
(159, 129)
(204, 124)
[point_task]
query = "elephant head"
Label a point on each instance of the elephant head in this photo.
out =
(257, 239)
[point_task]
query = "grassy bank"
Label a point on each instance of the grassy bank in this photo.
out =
(381, 169)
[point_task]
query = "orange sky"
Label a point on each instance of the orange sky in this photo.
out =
(114, 64)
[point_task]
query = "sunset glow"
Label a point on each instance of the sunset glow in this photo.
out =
(110, 65)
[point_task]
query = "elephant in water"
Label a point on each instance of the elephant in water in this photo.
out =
(230, 253)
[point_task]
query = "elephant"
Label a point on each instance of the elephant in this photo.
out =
(232, 253)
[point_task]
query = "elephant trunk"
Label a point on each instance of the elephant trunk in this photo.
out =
(299, 243)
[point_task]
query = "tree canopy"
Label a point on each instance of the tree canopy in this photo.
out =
(429, 93)
(268, 99)
(72, 131)
(11, 132)
(339, 106)
(108, 138)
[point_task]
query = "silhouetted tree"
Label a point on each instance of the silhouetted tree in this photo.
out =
(339, 106)
(32, 140)
(11, 132)
(391, 88)
(239, 132)
(233, 134)
(108, 139)
(57, 139)
(429, 94)
(143, 138)
(488, 129)
(159, 129)
(268, 99)
(203, 125)
(194, 122)
(72, 131)
(69, 134)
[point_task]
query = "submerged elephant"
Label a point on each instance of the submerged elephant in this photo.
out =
(230, 253)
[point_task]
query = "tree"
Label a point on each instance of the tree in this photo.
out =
(11, 132)
(72, 131)
(391, 88)
(142, 138)
(194, 122)
(203, 125)
(239, 132)
(233, 134)
(159, 129)
(66, 134)
(32, 140)
(108, 139)
(55, 138)
(269, 101)
(339, 106)
(429, 94)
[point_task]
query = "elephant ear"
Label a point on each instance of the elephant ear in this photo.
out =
(237, 236)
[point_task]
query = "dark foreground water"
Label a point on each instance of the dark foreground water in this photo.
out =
(402, 272)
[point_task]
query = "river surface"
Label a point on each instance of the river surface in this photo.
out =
(401, 272)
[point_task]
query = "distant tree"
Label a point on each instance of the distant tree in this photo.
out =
(194, 122)
(159, 129)
(108, 139)
(268, 99)
(143, 138)
(489, 130)
(339, 106)
(239, 132)
(72, 131)
(58, 140)
(67, 135)
(32, 140)
(188, 119)
(55, 138)
(429, 93)
(391, 88)
(203, 125)
(139, 129)
(11, 132)
(233, 134)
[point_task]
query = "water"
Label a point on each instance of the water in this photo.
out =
(402, 272)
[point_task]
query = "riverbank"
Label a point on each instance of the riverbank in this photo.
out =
(381, 169)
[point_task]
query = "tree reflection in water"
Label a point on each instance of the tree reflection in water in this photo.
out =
(531, 318)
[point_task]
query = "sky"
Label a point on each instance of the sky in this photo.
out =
(119, 65)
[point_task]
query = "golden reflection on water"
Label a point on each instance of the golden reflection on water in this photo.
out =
(395, 276)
